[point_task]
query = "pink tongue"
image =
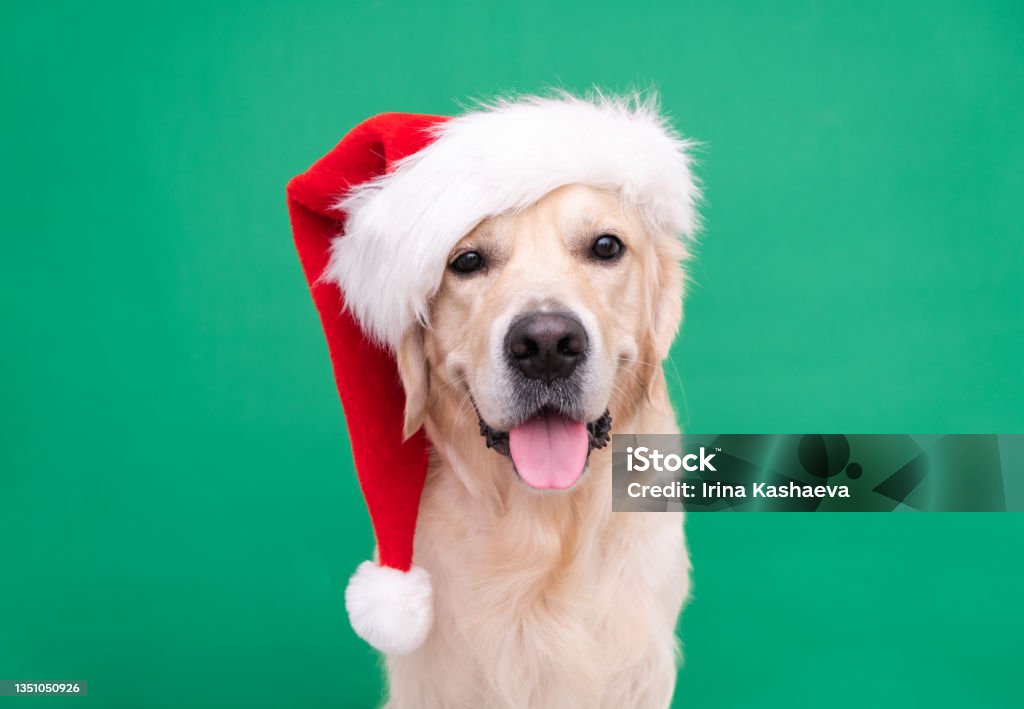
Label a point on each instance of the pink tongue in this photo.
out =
(549, 451)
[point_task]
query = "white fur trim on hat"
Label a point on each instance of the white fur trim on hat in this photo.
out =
(390, 609)
(401, 227)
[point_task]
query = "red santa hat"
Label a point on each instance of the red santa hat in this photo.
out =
(374, 221)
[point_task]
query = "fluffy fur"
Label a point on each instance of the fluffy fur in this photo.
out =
(501, 157)
(391, 609)
(545, 599)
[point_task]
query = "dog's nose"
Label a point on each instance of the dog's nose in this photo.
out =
(546, 346)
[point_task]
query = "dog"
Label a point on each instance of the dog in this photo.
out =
(549, 328)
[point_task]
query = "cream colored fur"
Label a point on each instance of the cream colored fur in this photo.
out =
(545, 599)
(489, 160)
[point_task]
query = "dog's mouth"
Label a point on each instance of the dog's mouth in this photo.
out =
(549, 450)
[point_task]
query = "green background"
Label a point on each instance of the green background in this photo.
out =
(178, 513)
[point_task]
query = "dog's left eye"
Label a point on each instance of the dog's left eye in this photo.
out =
(468, 262)
(606, 247)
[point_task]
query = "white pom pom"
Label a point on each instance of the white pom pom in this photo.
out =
(390, 609)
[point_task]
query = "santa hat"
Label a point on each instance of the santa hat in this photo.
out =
(374, 221)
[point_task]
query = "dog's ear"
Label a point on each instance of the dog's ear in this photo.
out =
(667, 300)
(665, 276)
(413, 371)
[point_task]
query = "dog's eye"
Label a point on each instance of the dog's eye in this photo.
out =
(606, 247)
(468, 262)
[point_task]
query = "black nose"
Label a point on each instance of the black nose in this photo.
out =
(546, 346)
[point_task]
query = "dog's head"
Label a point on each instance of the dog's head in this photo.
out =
(524, 265)
(548, 321)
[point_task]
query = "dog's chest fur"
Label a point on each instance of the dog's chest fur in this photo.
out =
(543, 600)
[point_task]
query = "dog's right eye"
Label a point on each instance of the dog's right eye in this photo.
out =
(468, 262)
(606, 247)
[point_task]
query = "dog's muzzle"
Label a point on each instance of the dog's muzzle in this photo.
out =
(548, 441)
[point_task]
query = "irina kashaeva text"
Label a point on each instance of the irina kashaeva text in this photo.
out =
(642, 459)
(817, 472)
(706, 490)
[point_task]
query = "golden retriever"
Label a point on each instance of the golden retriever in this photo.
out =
(550, 320)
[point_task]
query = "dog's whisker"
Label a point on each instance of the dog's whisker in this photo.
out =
(675, 376)
(682, 389)
(458, 415)
(638, 361)
(461, 379)
(621, 391)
